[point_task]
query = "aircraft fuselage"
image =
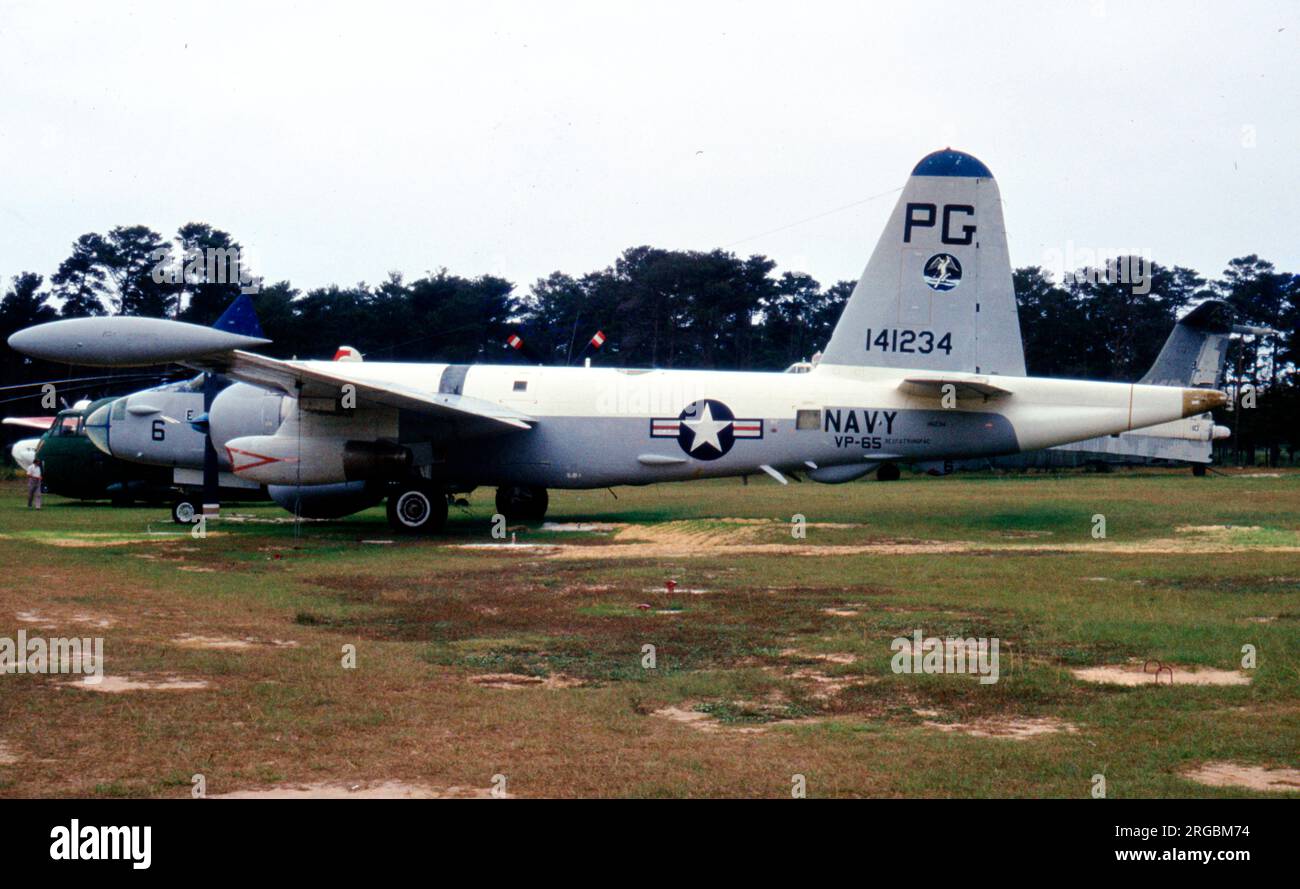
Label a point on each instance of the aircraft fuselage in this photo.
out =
(603, 426)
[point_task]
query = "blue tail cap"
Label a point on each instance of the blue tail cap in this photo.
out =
(240, 318)
(951, 163)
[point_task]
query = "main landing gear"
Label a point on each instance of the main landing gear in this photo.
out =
(522, 503)
(417, 506)
(888, 472)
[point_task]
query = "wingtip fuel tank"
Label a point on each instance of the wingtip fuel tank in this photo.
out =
(123, 341)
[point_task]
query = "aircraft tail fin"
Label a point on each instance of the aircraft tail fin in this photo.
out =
(240, 318)
(1193, 354)
(937, 292)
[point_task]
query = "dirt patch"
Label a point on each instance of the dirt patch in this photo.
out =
(7, 755)
(121, 684)
(521, 549)
(227, 643)
(33, 617)
(50, 621)
(520, 680)
(841, 612)
(1136, 673)
(710, 724)
(824, 686)
(579, 527)
(695, 719)
(830, 658)
(717, 537)
(377, 790)
(218, 643)
(1011, 728)
(733, 536)
(97, 538)
(1231, 774)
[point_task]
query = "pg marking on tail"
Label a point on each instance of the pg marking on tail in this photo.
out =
(911, 221)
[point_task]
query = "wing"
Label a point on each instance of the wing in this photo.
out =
(963, 387)
(126, 341)
(471, 415)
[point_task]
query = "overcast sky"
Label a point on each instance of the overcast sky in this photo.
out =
(339, 142)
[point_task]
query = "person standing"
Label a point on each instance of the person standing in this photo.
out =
(34, 479)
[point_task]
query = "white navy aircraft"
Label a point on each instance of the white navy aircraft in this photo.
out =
(934, 371)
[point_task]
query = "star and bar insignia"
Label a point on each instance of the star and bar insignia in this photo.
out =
(706, 429)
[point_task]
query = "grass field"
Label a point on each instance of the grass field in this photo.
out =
(772, 655)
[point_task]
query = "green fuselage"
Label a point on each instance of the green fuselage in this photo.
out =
(73, 467)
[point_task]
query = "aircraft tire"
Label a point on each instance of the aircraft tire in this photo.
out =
(522, 503)
(417, 508)
(183, 511)
(1198, 470)
(888, 472)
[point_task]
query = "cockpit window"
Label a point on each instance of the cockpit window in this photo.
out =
(67, 424)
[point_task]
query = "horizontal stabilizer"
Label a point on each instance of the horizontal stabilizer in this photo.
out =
(962, 387)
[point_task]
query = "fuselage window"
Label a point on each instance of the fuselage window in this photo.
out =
(808, 420)
(521, 385)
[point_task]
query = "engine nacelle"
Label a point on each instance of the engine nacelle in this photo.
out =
(311, 460)
(244, 410)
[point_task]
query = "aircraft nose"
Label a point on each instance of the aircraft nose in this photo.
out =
(96, 427)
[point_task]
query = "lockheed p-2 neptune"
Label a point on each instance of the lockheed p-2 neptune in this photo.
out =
(925, 364)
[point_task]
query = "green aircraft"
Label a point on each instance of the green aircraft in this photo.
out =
(74, 467)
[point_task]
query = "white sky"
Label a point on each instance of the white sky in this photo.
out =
(339, 142)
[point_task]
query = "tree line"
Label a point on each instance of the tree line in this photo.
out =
(660, 308)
